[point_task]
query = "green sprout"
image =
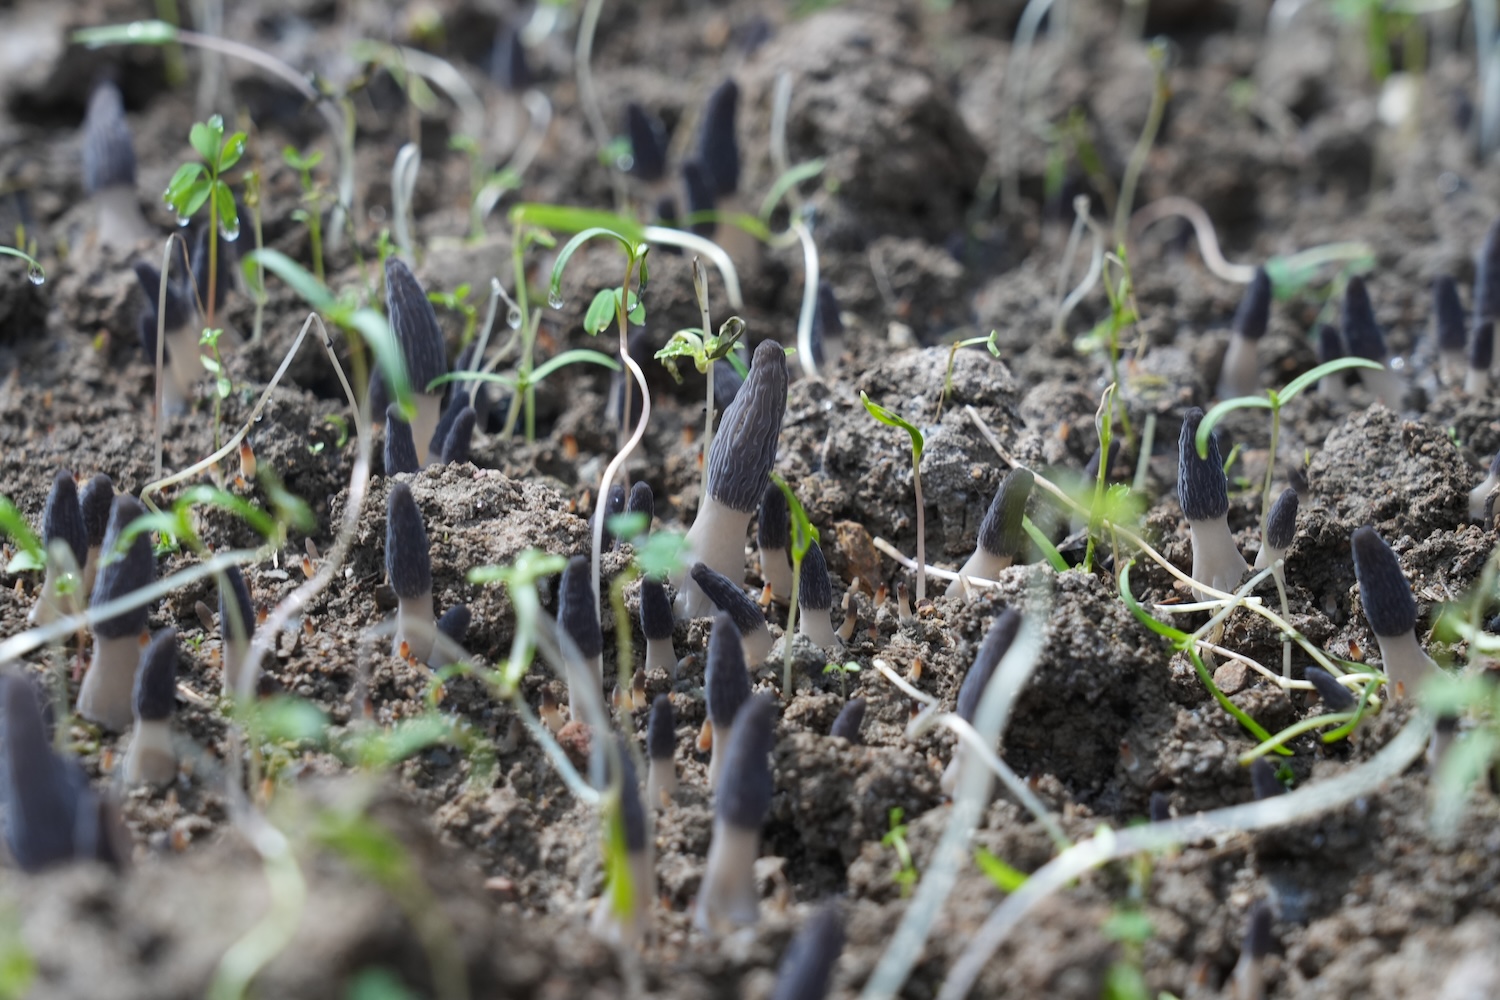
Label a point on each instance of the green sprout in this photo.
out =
(195, 185)
(803, 537)
(34, 272)
(213, 362)
(1005, 878)
(905, 875)
(458, 301)
(988, 341)
(310, 213)
(255, 272)
(890, 419)
(843, 670)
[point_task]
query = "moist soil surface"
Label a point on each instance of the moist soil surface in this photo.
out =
(486, 866)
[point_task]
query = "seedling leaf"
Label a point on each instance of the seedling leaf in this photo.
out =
(891, 419)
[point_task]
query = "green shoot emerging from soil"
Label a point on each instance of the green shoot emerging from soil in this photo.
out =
(905, 876)
(843, 670)
(310, 212)
(804, 535)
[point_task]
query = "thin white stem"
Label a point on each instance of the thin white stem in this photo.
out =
(624, 453)
(403, 183)
(809, 303)
(583, 55)
(1305, 803)
(706, 248)
(1203, 229)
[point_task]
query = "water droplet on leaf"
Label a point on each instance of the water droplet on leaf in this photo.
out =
(555, 299)
(35, 274)
(513, 317)
(229, 233)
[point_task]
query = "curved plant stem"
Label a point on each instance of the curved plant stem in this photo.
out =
(583, 55)
(1137, 162)
(1203, 229)
(1305, 803)
(809, 304)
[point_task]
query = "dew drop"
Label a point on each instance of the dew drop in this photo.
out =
(35, 274)
(230, 234)
(513, 317)
(183, 220)
(555, 299)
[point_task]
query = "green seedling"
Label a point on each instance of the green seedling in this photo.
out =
(843, 670)
(803, 536)
(1384, 23)
(310, 212)
(1130, 928)
(990, 343)
(32, 556)
(1161, 92)
(520, 581)
(890, 419)
(213, 362)
(195, 185)
(905, 875)
(658, 555)
(34, 272)
(18, 969)
(1005, 878)
(255, 272)
(1123, 312)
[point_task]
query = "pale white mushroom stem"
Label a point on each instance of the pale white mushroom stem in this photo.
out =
(106, 695)
(1240, 375)
(728, 899)
(1405, 662)
(817, 625)
(716, 755)
(716, 539)
(1481, 493)
(776, 571)
(1385, 385)
(1477, 381)
(981, 565)
(595, 666)
(50, 604)
(628, 930)
(121, 224)
(660, 655)
(757, 645)
(151, 758)
(661, 782)
(1216, 559)
(416, 626)
(424, 424)
(233, 653)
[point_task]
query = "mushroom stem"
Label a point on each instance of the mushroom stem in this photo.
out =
(757, 644)
(716, 539)
(91, 568)
(415, 626)
(953, 773)
(233, 653)
(1451, 367)
(981, 565)
(106, 694)
(595, 666)
(661, 782)
(727, 898)
(424, 423)
(1477, 381)
(1216, 559)
(776, 571)
(661, 656)
(1481, 493)
(1406, 664)
(628, 929)
(151, 758)
(50, 604)
(121, 224)
(1384, 385)
(817, 625)
(1240, 375)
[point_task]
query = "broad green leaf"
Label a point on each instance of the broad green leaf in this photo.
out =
(231, 152)
(601, 312)
(1301, 382)
(229, 215)
(206, 137)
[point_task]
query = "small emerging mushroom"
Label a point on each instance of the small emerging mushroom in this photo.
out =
(815, 594)
(727, 898)
(1281, 531)
(1449, 326)
(629, 927)
(578, 616)
(1390, 609)
(1364, 339)
(648, 144)
(1332, 388)
(726, 596)
(661, 748)
(67, 540)
(997, 641)
(105, 695)
(806, 969)
(1203, 491)
(726, 688)
(849, 720)
(1002, 537)
(95, 501)
(109, 170)
(657, 625)
(1336, 698)
(739, 467)
(773, 539)
(408, 563)
(236, 626)
(1481, 357)
(1480, 494)
(415, 325)
(1249, 977)
(151, 758)
(1240, 375)
(1263, 781)
(400, 448)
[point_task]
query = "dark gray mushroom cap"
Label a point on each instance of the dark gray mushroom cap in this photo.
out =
(1362, 335)
(408, 559)
(992, 650)
(729, 598)
(1254, 312)
(236, 615)
(1281, 526)
(577, 609)
(1448, 314)
(744, 449)
(745, 784)
(1002, 533)
(108, 150)
(400, 448)
(726, 681)
(415, 324)
(1383, 590)
(123, 573)
(806, 969)
(62, 518)
(1202, 487)
(156, 678)
(661, 729)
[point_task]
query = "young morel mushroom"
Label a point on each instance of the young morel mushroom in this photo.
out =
(1364, 339)
(610, 923)
(1332, 388)
(806, 969)
(1335, 697)
(656, 625)
(727, 596)
(460, 438)
(1240, 375)
(815, 617)
(416, 327)
(408, 562)
(62, 523)
(1001, 535)
(1249, 977)
(51, 813)
(726, 688)
(850, 718)
(181, 368)
(773, 532)
(400, 448)
(1481, 356)
(1263, 781)
(1480, 494)
(454, 624)
(739, 468)
(648, 144)
(828, 323)
(1448, 327)
(151, 758)
(236, 626)
(1281, 531)
(698, 191)
(1203, 491)
(992, 650)
(578, 615)
(97, 497)
(718, 148)
(1487, 275)
(661, 747)
(105, 695)
(727, 898)
(109, 170)
(642, 501)
(613, 504)
(1390, 609)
